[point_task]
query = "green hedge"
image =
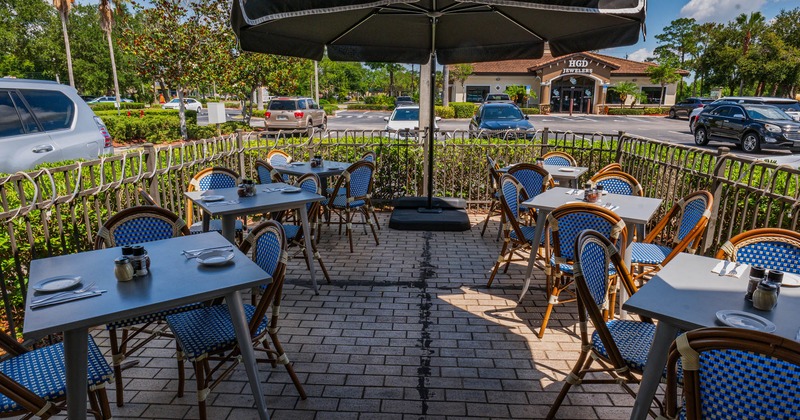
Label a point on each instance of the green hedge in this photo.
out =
(655, 111)
(147, 112)
(626, 111)
(379, 100)
(330, 109)
(161, 127)
(443, 112)
(531, 111)
(370, 107)
(463, 109)
(106, 106)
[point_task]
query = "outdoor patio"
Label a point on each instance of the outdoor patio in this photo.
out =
(408, 329)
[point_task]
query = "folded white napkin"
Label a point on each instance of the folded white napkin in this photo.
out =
(730, 269)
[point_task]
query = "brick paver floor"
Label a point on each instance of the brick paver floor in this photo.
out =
(407, 329)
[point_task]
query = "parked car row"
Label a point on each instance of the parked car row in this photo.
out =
(752, 123)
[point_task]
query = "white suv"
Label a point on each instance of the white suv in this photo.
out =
(43, 121)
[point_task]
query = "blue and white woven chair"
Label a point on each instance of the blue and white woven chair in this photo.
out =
(265, 173)
(617, 182)
(535, 180)
(206, 335)
(774, 249)
(277, 157)
(564, 224)
(691, 215)
(137, 225)
(33, 382)
(294, 232)
(614, 166)
(559, 159)
(211, 179)
(619, 346)
(357, 183)
(733, 373)
(368, 156)
(494, 195)
(517, 237)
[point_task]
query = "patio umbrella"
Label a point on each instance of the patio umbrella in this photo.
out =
(448, 31)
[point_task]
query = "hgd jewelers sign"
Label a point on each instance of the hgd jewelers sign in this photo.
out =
(577, 66)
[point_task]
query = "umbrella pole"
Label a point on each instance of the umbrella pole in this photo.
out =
(429, 208)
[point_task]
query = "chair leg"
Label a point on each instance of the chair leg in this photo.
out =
(502, 223)
(321, 264)
(579, 371)
(349, 219)
(497, 263)
(181, 372)
(95, 406)
(551, 299)
(372, 227)
(102, 397)
(371, 209)
(202, 390)
(488, 216)
(117, 357)
(284, 360)
(305, 257)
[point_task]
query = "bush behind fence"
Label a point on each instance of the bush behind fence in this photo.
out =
(58, 210)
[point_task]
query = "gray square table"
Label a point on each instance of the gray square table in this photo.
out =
(328, 169)
(233, 206)
(635, 211)
(686, 295)
(173, 281)
(566, 174)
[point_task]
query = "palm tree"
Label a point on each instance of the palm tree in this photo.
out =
(626, 89)
(750, 27)
(63, 7)
(106, 23)
(663, 74)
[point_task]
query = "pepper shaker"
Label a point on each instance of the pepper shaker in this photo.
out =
(139, 261)
(756, 275)
(766, 296)
(123, 270)
(775, 277)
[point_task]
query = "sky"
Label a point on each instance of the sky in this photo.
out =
(661, 12)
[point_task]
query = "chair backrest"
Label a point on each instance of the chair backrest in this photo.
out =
(268, 243)
(775, 249)
(594, 254)
(512, 194)
(310, 182)
(139, 224)
(734, 373)
(370, 156)
(213, 178)
(610, 167)
(692, 213)
(566, 222)
(357, 181)
(494, 173)
(278, 157)
(618, 182)
(146, 198)
(559, 159)
(534, 178)
(265, 173)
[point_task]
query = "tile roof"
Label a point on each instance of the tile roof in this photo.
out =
(620, 66)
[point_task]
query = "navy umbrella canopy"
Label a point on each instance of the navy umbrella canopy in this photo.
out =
(449, 31)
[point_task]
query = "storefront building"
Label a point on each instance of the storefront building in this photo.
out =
(580, 81)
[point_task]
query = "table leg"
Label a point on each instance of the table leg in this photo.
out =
(239, 321)
(76, 356)
(651, 377)
(229, 228)
(309, 249)
(626, 258)
(206, 221)
(541, 218)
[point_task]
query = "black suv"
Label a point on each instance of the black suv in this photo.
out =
(752, 126)
(685, 107)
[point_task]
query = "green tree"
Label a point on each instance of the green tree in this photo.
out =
(106, 24)
(390, 69)
(678, 40)
(663, 74)
(460, 73)
(749, 28)
(518, 94)
(63, 7)
(626, 90)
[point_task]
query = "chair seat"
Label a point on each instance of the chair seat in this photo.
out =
(42, 371)
(567, 268)
(649, 253)
(291, 231)
(528, 231)
(340, 202)
(342, 191)
(208, 330)
(214, 225)
(156, 316)
(633, 339)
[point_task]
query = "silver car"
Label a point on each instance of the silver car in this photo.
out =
(43, 121)
(291, 113)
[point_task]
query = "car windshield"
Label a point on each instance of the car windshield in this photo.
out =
(766, 113)
(406, 114)
(280, 105)
(496, 97)
(175, 101)
(788, 106)
(502, 113)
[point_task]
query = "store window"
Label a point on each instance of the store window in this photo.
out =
(653, 94)
(477, 93)
(612, 97)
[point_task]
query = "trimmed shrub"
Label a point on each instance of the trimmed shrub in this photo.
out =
(445, 112)
(330, 109)
(160, 127)
(626, 111)
(370, 107)
(379, 100)
(656, 111)
(109, 106)
(530, 111)
(148, 111)
(463, 109)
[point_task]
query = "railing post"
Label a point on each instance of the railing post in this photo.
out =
(545, 141)
(150, 163)
(620, 135)
(716, 191)
(240, 151)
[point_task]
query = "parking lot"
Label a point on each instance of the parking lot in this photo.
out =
(661, 128)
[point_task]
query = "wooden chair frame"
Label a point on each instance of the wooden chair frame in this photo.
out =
(346, 213)
(613, 365)
(278, 152)
(728, 250)
(636, 187)
(610, 167)
(567, 156)
(688, 347)
(547, 183)
(494, 188)
(275, 176)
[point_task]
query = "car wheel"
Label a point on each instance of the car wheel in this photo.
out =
(701, 136)
(672, 114)
(751, 142)
(199, 108)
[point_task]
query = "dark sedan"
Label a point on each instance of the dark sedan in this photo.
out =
(685, 107)
(500, 120)
(753, 127)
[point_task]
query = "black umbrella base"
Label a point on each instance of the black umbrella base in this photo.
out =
(446, 214)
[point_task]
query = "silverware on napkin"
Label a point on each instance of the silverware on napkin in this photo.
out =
(68, 298)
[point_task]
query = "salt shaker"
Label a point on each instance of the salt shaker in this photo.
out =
(766, 296)
(775, 277)
(756, 275)
(139, 261)
(123, 270)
